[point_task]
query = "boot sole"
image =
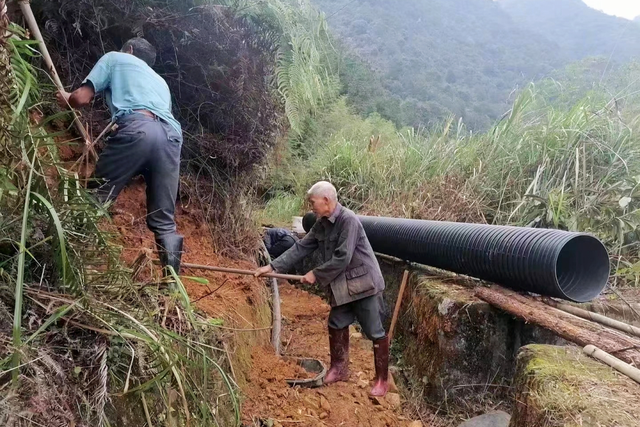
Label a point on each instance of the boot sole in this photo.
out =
(378, 395)
(338, 380)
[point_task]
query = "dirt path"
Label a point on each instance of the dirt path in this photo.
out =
(342, 404)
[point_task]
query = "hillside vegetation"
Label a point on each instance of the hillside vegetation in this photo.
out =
(257, 87)
(435, 58)
(565, 155)
(579, 30)
(85, 339)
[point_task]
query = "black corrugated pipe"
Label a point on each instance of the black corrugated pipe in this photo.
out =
(572, 266)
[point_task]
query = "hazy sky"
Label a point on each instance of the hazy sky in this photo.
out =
(625, 8)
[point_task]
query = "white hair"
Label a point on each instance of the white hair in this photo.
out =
(323, 189)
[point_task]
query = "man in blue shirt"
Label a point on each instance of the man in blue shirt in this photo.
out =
(147, 140)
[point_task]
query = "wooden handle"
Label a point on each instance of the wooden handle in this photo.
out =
(236, 271)
(25, 7)
(394, 319)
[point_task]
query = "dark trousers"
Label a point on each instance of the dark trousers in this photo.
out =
(281, 246)
(147, 146)
(368, 311)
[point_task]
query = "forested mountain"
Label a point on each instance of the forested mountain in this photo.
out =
(578, 29)
(435, 58)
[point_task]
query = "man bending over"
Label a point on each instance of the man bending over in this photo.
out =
(147, 139)
(352, 275)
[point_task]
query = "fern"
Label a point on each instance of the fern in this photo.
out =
(304, 77)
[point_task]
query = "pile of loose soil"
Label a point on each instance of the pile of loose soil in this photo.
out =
(268, 368)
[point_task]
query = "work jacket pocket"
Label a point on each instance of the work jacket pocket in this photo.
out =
(359, 280)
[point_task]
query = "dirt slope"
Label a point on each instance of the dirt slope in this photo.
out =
(242, 302)
(235, 297)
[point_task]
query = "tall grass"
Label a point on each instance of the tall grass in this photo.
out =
(543, 165)
(278, 209)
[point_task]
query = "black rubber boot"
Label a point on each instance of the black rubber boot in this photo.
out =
(170, 252)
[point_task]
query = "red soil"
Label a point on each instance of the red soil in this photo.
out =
(304, 334)
(342, 404)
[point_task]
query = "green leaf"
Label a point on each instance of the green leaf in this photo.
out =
(61, 311)
(61, 115)
(18, 300)
(23, 100)
(64, 260)
(201, 280)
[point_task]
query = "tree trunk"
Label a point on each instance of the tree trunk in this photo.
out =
(567, 326)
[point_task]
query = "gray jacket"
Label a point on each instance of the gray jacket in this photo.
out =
(350, 269)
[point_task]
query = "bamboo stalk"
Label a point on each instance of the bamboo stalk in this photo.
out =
(277, 316)
(237, 271)
(396, 310)
(599, 318)
(25, 7)
(614, 362)
(276, 311)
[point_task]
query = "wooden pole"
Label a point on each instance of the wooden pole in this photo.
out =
(237, 271)
(590, 315)
(396, 310)
(567, 326)
(25, 7)
(614, 362)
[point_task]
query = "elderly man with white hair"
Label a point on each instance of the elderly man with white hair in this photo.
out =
(352, 276)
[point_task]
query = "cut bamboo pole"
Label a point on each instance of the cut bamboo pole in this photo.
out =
(276, 315)
(599, 318)
(396, 310)
(25, 7)
(614, 362)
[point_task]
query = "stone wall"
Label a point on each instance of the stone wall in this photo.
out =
(457, 347)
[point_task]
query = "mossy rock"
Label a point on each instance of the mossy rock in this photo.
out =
(454, 343)
(562, 387)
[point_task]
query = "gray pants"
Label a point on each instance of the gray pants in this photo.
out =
(147, 146)
(368, 311)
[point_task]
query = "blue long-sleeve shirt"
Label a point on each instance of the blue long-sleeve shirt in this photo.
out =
(128, 84)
